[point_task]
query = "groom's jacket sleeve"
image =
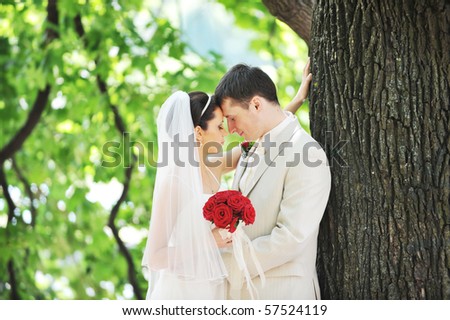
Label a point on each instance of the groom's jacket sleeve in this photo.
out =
(305, 195)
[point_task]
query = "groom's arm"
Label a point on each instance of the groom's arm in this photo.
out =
(305, 195)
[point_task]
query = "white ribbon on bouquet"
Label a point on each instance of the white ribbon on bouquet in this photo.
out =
(239, 240)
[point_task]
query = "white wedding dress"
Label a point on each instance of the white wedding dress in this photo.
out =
(170, 286)
(181, 256)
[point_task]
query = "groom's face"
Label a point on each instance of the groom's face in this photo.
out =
(240, 120)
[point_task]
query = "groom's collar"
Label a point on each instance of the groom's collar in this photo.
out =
(274, 147)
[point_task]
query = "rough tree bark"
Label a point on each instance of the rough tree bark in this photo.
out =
(295, 13)
(381, 82)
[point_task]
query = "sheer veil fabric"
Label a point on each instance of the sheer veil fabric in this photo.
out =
(181, 255)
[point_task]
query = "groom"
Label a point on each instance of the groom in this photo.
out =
(287, 178)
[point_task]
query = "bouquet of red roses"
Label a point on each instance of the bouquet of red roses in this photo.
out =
(226, 208)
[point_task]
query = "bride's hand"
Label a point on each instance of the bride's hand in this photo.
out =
(221, 243)
(302, 93)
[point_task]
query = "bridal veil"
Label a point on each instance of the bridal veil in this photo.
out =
(180, 242)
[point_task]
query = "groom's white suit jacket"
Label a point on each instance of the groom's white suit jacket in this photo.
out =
(289, 189)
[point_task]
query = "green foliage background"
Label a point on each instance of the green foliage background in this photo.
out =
(58, 244)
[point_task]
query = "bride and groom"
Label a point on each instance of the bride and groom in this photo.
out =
(285, 175)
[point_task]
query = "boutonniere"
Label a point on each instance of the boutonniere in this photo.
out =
(246, 146)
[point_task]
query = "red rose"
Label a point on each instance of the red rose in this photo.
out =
(222, 215)
(227, 208)
(246, 200)
(236, 202)
(248, 215)
(221, 197)
(208, 209)
(234, 224)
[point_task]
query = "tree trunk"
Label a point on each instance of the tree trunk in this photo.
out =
(296, 14)
(381, 83)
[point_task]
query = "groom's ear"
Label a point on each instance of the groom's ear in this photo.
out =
(256, 102)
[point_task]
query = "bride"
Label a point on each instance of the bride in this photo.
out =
(182, 253)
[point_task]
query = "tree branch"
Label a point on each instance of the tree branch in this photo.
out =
(42, 98)
(7, 195)
(52, 17)
(13, 281)
(123, 249)
(11, 208)
(297, 14)
(33, 118)
(120, 125)
(27, 188)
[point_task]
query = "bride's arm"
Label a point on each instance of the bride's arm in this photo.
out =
(302, 93)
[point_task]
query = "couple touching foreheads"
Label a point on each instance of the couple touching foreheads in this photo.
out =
(186, 256)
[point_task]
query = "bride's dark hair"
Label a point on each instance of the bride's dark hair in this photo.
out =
(198, 100)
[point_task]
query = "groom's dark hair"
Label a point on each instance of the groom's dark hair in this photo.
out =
(242, 82)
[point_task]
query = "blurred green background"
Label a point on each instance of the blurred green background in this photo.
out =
(67, 230)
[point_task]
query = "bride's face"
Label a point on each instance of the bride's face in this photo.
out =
(214, 136)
